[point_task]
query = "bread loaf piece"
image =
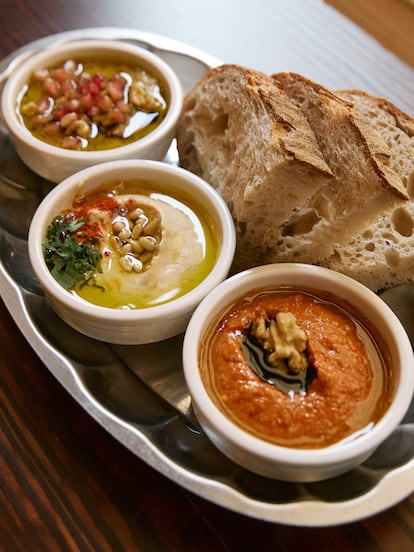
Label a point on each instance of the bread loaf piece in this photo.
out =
(364, 186)
(239, 131)
(383, 255)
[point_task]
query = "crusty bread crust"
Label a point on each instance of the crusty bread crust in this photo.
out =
(241, 133)
(309, 175)
(376, 150)
(364, 186)
(383, 255)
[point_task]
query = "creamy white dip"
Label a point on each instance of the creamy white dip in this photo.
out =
(183, 259)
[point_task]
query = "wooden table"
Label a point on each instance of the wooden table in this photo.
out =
(65, 483)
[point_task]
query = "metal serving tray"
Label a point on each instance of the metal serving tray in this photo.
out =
(138, 393)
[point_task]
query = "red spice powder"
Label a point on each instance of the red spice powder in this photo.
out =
(90, 230)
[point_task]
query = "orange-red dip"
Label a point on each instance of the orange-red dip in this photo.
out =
(348, 395)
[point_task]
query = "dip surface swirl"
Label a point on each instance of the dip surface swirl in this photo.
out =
(348, 394)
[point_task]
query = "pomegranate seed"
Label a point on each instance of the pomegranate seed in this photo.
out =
(68, 119)
(41, 74)
(99, 80)
(51, 87)
(105, 103)
(42, 119)
(52, 128)
(59, 74)
(59, 112)
(70, 66)
(93, 89)
(73, 105)
(70, 142)
(115, 89)
(86, 101)
(77, 106)
(94, 111)
(44, 105)
(68, 88)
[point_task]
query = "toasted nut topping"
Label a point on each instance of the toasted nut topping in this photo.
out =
(152, 226)
(149, 243)
(283, 341)
(135, 213)
(136, 235)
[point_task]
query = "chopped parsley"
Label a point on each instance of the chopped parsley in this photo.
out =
(71, 255)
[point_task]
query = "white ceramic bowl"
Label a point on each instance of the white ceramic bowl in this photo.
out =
(281, 462)
(134, 326)
(55, 163)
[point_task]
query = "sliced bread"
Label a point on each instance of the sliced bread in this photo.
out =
(240, 132)
(383, 255)
(364, 185)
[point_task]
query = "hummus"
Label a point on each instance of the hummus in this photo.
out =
(183, 247)
(178, 266)
(347, 395)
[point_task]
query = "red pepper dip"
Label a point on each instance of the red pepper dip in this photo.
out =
(350, 388)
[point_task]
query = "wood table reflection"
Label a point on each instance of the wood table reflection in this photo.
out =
(65, 483)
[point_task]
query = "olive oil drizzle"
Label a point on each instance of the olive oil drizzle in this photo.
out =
(257, 361)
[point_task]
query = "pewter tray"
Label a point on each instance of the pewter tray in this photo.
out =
(138, 393)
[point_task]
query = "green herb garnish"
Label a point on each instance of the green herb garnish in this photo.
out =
(71, 256)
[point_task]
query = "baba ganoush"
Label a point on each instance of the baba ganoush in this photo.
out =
(344, 395)
(138, 246)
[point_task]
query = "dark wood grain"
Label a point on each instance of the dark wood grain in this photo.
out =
(65, 483)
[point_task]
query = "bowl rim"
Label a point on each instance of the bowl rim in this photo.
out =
(22, 73)
(234, 287)
(182, 304)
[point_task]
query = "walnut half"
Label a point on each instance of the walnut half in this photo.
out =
(283, 341)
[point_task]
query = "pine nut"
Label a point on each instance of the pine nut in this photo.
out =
(136, 213)
(136, 236)
(124, 234)
(126, 249)
(137, 231)
(115, 243)
(127, 262)
(138, 265)
(152, 226)
(117, 226)
(136, 246)
(149, 243)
